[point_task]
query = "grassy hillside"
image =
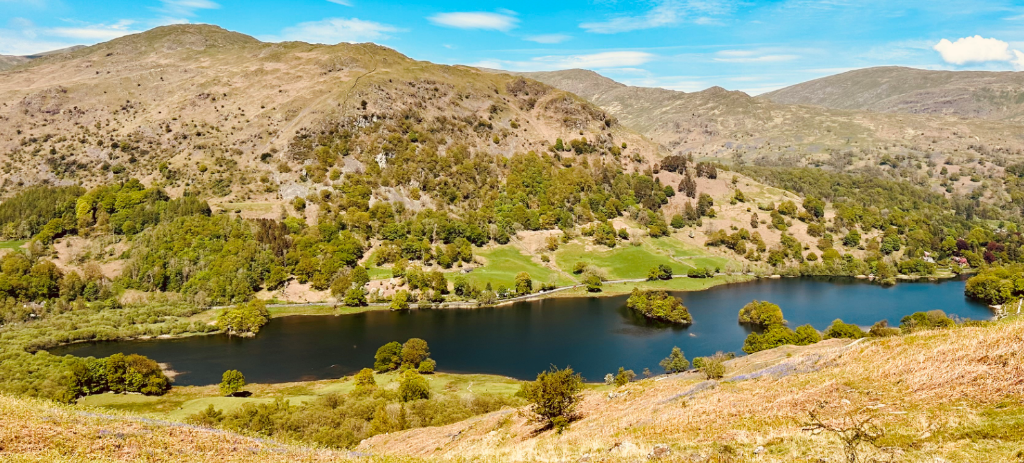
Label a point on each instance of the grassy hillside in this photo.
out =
(974, 94)
(952, 394)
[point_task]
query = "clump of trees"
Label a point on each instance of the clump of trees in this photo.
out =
(713, 367)
(659, 305)
(119, 374)
(413, 355)
(775, 333)
(244, 319)
(661, 272)
(554, 396)
(761, 313)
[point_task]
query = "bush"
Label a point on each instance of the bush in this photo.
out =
(364, 379)
(388, 357)
(926, 321)
(427, 366)
(675, 362)
(554, 396)
(624, 377)
(400, 301)
(712, 367)
(231, 382)
(838, 329)
(661, 272)
(593, 283)
(413, 386)
(414, 352)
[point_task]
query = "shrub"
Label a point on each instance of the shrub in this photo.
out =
(661, 272)
(413, 386)
(838, 329)
(231, 382)
(926, 320)
(624, 377)
(593, 283)
(675, 362)
(427, 366)
(388, 357)
(400, 301)
(713, 366)
(364, 379)
(414, 352)
(554, 396)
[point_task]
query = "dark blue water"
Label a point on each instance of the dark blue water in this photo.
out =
(593, 335)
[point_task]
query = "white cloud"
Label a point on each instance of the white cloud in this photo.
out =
(747, 56)
(94, 32)
(476, 20)
(548, 38)
(336, 30)
(973, 50)
(341, 2)
(1018, 63)
(604, 60)
(665, 13)
(186, 7)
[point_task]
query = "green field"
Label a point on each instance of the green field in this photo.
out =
(378, 273)
(619, 263)
(690, 256)
(503, 263)
(12, 244)
(181, 402)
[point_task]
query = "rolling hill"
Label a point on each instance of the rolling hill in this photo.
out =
(972, 94)
(194, 106)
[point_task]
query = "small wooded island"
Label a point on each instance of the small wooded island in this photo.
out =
(659, 305)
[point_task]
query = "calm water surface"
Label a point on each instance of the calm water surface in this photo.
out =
(593, 335)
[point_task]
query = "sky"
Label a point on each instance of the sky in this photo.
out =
(688, 45)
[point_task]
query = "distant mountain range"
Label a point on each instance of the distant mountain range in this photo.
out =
(987, 95)
(734, 126)
(8, 61)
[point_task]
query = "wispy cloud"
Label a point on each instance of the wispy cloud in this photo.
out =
(186, 7)
(750, 56)
(548, 38)
(664, 13)
(336, 30)
(341, 2)
(603, 60)
(94, 32)
(503, 22)
(23, 37)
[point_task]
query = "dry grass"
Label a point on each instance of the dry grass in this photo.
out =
(936, 394)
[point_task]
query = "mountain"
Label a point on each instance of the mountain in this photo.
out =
(8, 62)
(196, 106)
(973, 94)
(733, 127)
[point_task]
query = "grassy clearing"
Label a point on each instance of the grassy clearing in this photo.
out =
(378, 273)
(184, 401)
(618, 263)
(324, 309)
(689, 255)
(12, 244)
(504, 262)
(675, 284)
(260, 208)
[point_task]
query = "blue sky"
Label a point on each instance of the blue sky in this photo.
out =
(688, 45)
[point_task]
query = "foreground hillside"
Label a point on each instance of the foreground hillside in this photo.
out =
(976, 94)
(952, 395)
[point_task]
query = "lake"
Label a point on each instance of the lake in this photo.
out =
(594, 335)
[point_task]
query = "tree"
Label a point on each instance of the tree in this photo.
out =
(761, 313)
(754, 221)
(852, 239)
(713, 366)
(247, 318)
(593, 283)
(659, 305)
(359, 276)
(661, 272)
(388, 357)
(838, 329)
(427, 366)
(554, 396)
(231, 382)
(524, 285)
(364, 379)
(355, 297)
(400, 301)
(414, 351)
(675, 362)
(413, 386)
(624, 377)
